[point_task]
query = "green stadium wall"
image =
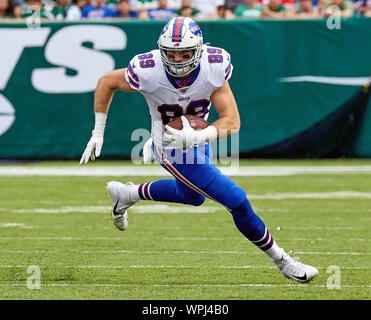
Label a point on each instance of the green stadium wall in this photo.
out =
(288, 76)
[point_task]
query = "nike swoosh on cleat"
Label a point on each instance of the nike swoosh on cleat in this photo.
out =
(303, 278)
(114, 208)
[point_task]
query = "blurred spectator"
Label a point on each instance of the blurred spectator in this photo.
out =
(16, 3)
(319, 4)
(81, 4)
(186, 9)
(162, 12)
(58, 11)
(47, 9)
(233, 4)
(365, 8)
(289, 5)
(207, 7)
(113, 4)
(99, 10)
(66, 9)
(29, 8)
(5, 9)
(306, 10)
(17, 11)
(344, 8)
(250, 9)
(141, 5)
(124, 10)
(274, 10)
(73, 10)
(223, 13)
(174, 4)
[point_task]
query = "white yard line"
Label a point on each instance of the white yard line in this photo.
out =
(164, 267)
(181, 251)
(16, 225)
(138, 209)
(242, 285)
(156, 170)
(312, 195)
(172, 209)
(317, 228)
(5, 238)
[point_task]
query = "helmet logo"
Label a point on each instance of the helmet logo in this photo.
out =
(165, 28)
(195, 29)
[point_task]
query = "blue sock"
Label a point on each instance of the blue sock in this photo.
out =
(251, 226)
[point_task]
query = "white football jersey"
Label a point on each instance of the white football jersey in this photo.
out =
(169, 97)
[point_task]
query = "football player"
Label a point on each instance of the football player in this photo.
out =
(185, 76)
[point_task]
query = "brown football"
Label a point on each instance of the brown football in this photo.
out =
(195, 122)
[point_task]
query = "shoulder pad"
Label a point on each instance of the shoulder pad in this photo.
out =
(143, 71)
(219, 65)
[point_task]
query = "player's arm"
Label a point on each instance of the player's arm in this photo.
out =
(227, 124)
(225, 105)
(107, 85)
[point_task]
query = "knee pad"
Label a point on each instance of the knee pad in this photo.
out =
(243, 209)
(233, 197)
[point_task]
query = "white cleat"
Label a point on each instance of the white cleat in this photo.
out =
(295, 270)
(121, 201)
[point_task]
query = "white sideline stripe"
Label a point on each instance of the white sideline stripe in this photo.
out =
(334, 253)
(313, 195)
(150, 171)
(242, 285)
(317, 228)
(345, 81)
(138, 209)
(183, 251)
(163, 238)
(167, 209)
(231, 252)
(61, 238)
(156, 252)
(15, 225)
(169, 267)
(319, 239)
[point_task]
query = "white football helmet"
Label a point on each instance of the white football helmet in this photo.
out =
(180, 34)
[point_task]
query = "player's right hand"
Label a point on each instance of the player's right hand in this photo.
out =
(93, 148)
(147, 151)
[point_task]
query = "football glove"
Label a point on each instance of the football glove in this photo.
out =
(148, 152)
(94, 146)
(188, 137)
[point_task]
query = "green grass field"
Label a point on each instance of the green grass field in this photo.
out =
(62, 225)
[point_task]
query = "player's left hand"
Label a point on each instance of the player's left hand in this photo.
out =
(185, 138)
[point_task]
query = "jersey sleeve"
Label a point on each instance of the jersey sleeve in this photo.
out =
(142, 71)
(220, 64)
(131, 75)
(228, 66)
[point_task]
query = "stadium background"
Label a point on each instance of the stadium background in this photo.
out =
(301, 87)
